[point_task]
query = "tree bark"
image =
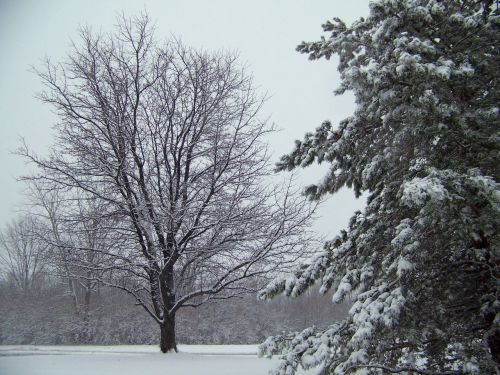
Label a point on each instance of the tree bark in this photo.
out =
(167, 334)
(167, 328)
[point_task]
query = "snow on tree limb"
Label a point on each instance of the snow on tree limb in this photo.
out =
(168, 141)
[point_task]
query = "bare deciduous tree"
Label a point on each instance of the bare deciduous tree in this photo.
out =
(78, 235)
(22, 253)
(168, 140)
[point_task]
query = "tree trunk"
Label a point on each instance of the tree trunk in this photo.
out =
(167, 334)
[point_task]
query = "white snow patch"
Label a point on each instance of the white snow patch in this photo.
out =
(418, 190)
(404, 266)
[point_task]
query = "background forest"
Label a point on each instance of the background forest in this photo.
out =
(45, 314)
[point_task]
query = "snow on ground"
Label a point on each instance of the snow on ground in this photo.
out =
(7, 350)
(133, 360)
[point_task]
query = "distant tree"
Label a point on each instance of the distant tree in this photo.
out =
(422, 261)
(169, 141)
(78, 232)
(22, 253)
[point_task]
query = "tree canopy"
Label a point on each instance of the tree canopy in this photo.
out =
(421, 262)
(167, 144)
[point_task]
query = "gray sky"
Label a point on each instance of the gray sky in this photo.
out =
(265, 33)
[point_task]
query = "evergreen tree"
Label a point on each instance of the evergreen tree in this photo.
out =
(421, 262)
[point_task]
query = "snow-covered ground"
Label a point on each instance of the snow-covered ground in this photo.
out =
(133, 360)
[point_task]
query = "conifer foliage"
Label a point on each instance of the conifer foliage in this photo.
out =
(421, 262)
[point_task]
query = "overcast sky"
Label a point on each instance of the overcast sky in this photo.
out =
(265, 33)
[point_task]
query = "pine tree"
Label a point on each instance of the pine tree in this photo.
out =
(421, 262)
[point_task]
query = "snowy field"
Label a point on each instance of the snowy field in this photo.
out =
(133, 360)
